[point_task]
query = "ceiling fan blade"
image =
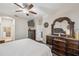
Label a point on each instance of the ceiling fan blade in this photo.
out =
(18, 5)
(30, 6)
(32, 12)
(25, 5)
(19, 10)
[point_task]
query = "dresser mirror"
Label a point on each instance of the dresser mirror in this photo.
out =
(63, 26)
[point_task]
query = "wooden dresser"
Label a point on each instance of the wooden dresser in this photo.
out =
(63, 46)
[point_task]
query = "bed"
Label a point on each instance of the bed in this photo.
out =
(24, 47)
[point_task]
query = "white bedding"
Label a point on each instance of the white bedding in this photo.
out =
(24, 47)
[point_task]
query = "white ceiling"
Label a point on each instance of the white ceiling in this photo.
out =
(48, 8)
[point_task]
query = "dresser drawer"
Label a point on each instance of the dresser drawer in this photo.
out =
(59, 43)
(58, 52)
(59, 48)
(74, 46)
(71, 51)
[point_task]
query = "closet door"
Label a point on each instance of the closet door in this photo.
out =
(7, 29)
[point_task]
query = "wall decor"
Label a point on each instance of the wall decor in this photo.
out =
(31, 23)
(46, 24)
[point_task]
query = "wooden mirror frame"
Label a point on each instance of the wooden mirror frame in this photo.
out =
(71, 23)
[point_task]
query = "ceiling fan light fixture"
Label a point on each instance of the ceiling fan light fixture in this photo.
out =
(25, 11)
(25, 8)
(27, 14)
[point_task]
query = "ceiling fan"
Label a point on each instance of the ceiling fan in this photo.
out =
(26, 8)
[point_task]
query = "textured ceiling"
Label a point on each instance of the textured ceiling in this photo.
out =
(47, 8)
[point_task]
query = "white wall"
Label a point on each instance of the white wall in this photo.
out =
(21, 30)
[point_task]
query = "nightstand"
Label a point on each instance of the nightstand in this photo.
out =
(2, 41)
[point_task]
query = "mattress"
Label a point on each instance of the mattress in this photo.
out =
(24, 47)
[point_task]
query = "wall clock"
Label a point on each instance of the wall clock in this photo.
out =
(46, 24)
